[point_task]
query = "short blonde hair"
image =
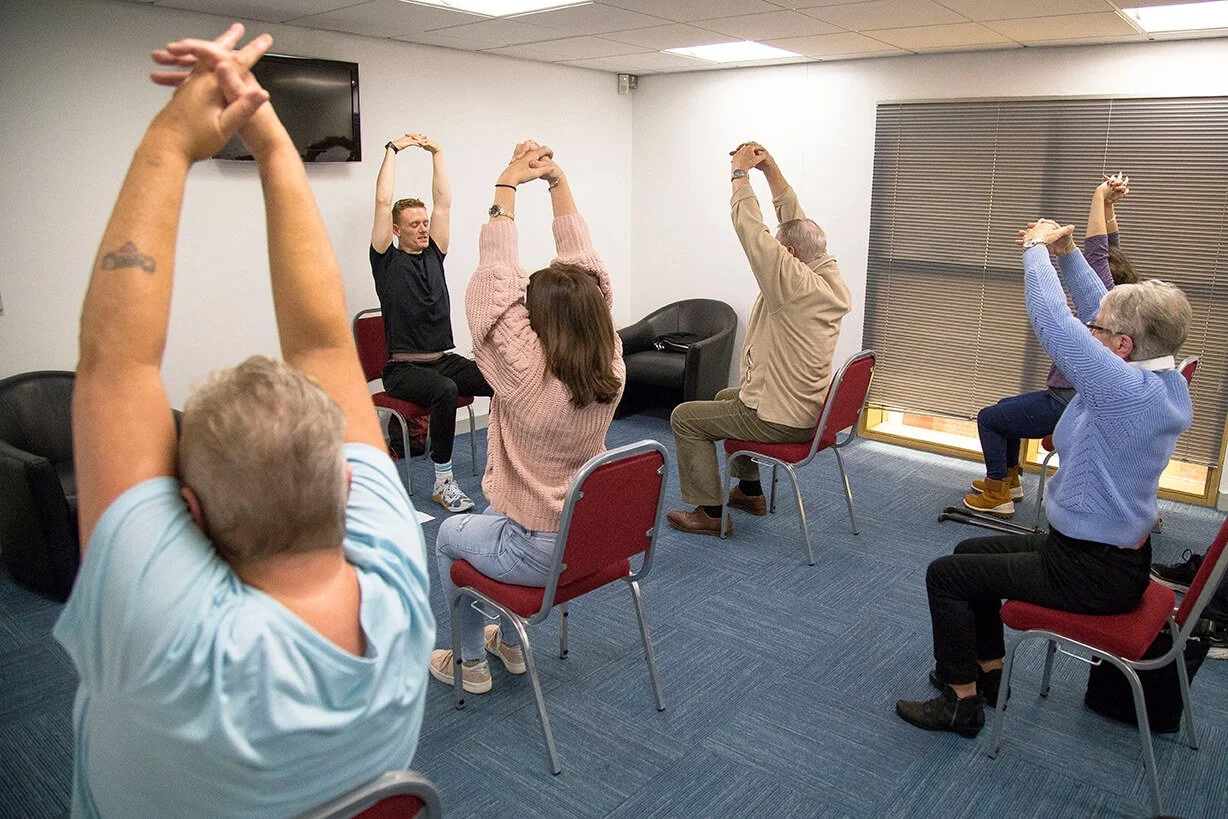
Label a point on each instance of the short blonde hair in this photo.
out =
(261, 448)
(1155, 314)
(405, 204)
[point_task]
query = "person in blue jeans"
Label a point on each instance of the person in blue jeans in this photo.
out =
(1002, 426)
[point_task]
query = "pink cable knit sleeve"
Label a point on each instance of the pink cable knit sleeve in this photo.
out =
(574, 246)
(504, 345)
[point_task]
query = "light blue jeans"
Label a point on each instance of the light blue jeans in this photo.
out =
(499, 548)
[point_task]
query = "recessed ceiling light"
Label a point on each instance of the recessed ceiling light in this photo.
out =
(1186, 17)
(743, 52)
(499, 8)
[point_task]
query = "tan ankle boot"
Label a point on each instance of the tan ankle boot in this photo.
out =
(1012, 479)
(995, 500)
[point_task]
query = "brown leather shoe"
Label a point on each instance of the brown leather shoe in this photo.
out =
(697, 522)
(755, 504)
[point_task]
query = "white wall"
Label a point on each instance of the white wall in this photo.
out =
(818, 120)
(74, 80)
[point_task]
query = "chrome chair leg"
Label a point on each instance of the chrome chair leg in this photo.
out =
(1004, 693)
(801, 513)
(562, 631)
(1044, 683)
(458, 688)
(848, 491)
(551, 753)
(473, 441)
(649, 655)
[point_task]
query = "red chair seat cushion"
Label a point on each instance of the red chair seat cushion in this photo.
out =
(407, 409)
(527, 600)
(394, 807)
(1047, 443)
(1126, 635)
(789, 453)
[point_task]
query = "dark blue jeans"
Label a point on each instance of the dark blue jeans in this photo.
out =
(1002, 426)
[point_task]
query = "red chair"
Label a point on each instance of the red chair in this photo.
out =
(612, 513)
(372, 347)
(392, 795)
(1186, 368)
(1120, 639)
(845, 398)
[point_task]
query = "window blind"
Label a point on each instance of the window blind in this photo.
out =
(954, 181)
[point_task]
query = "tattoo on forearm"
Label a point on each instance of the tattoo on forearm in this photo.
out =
(128, 256)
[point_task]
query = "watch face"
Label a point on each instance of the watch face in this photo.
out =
(495, 210)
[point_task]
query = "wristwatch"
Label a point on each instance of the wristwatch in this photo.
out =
(1033, 242)
(738, 174)
(497, 210)
(393, 146)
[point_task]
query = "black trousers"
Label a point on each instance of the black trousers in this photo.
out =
(967, 588)
(436, 384)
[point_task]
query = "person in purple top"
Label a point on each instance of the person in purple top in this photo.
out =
(1002, 426)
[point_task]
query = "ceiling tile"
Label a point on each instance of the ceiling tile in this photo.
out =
(684, 11)
(923, 38)
(1063, 27)
(1012, 9)
(568, 48)
(499, 32)
(876, 14)
(1132, 38)
(594, 18)
(385, 18)
(671, 36)
(771, 25)
(437, 38)
(270, 11)
(641, 63)
(833, 45)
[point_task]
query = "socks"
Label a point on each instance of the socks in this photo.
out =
(712, 511)
(443, 473)
(750, 489)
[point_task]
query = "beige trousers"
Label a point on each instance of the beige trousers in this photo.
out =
(698, 424)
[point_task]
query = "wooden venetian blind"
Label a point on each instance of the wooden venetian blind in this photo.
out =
(954, 181)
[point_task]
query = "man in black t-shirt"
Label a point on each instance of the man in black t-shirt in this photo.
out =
(413, 296)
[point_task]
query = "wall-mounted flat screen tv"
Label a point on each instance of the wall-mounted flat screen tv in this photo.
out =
(317, 101)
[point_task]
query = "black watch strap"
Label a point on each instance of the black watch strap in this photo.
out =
(393, 146)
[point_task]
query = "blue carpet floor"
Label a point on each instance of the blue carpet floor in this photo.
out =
(780, 681)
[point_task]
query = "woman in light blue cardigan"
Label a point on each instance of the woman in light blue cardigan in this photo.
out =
(1114, 439)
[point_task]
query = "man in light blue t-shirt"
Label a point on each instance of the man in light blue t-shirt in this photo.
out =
(251, 623)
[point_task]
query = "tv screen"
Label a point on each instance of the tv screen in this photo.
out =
(317, 101)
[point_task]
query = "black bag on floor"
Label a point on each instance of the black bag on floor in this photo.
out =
(1108, 691)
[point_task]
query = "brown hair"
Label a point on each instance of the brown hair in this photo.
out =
(402, 204)
(569, 314)
(1120, 266)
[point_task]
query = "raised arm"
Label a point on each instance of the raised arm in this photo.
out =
(308, 296)
(441, 192)
(123, 432)
(385, 184)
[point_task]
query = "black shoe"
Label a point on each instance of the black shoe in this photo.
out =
(987, 684)
(965, 717)
(1177, 576)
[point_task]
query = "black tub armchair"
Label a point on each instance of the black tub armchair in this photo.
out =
(661, 377)
(38, 492)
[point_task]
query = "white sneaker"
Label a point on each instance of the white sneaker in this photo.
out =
(512, 656)
(449, 495)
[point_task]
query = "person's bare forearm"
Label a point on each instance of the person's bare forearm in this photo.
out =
(127, 305)
(441, 187)
(386, 182)
(775, 179)
(1097, 214)
(561, 200)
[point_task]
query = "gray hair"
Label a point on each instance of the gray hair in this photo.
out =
(1155, 314)
(807, 239)
(261, 448)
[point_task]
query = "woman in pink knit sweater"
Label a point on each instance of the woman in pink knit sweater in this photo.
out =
(547, 346)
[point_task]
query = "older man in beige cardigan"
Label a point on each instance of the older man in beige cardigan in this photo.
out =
(786, 358)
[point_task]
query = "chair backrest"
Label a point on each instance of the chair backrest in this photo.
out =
(704, 317)
(845, 398)
(1187, 368)
(1206, 581)
(36, 413)
(396, 794)
(371, 342)
(612, 512)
